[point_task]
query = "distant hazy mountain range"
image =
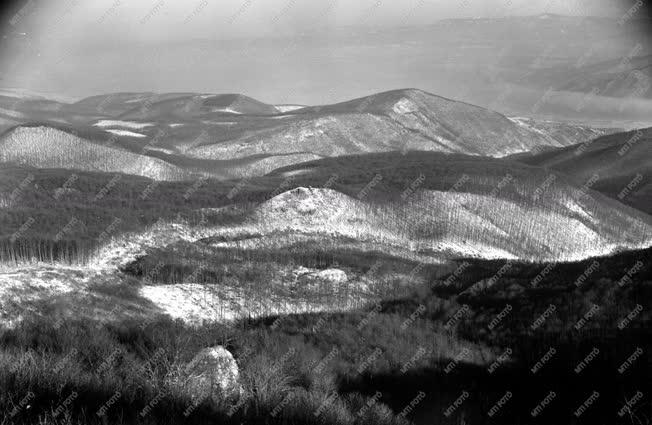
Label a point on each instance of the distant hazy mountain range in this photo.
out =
(618, 78)
(178, 135)
(504, 64)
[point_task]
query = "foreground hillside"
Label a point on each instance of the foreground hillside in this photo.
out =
(483, 331)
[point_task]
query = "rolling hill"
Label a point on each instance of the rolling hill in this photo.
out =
(115, 104)
(199, 106)
(16, 110)
(455, 225)
(618, 165)
(48, 147)
(494, 204)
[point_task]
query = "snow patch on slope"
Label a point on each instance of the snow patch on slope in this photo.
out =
(405, 106)
(578, 209)
(134, 100)
(125, 133)
(288, 108)
(523, 122)
(227, 110)
(126, 124)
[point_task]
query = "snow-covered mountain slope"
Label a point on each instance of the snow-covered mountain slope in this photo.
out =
(563, 226)
(47, 147)
(562, 133)
(391, 121)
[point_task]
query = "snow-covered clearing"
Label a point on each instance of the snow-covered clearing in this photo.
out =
(196, 303)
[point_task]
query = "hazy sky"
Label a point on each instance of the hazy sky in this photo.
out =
(186, 19)
(76, 48)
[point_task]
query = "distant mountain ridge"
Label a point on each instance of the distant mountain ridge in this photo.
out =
(407, 119)
(205, 105)
(622, 78)
(231, 135)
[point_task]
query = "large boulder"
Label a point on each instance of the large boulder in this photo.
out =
(213, 373)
